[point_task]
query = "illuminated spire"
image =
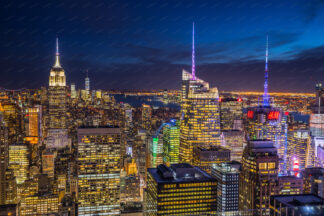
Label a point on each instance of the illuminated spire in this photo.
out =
(193, 71)
(57, 55)
(266, 94)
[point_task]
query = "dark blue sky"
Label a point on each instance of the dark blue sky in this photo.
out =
(146, 44)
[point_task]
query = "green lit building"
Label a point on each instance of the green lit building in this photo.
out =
(171, 142)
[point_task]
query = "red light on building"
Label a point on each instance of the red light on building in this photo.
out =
(273, 115)
(296, 165)
(220, 100)
(286, 113)
(239, 100)
(250, 114)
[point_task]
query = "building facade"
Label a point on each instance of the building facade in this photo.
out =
(259, 176)
(57, 95)
(98, 171)
(200, 121)
(180, 189)
(227, 178)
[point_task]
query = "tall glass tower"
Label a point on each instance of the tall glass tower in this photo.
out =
(200, 121)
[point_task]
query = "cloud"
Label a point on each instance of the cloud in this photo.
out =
(312, 9)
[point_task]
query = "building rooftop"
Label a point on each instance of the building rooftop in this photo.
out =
(299, 200)
(177, 173)
(225, 168)
(212, 148)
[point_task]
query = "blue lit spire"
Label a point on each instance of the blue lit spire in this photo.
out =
(266, 101)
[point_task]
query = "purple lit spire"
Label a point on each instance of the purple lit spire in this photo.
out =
(266, 94)
(57, 47)
(57, 55)
(193, 71)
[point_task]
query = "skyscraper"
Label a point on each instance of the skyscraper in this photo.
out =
(231, 109)
(259, 176)
(73, 91)
(19, 156)
(200, 121)
(300, 151)
(171, 142)
(227, 187)
(156, 151)
(205, 158)
(87, 84)
(34, 131)
(146, 117)
(99, 171)
(180, 189)
(267, 122)
(3, 161)
(234, 140)
(57, 94)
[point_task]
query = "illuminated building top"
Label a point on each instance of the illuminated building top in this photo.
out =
(57, 74)
(266, 101)
(193, 72)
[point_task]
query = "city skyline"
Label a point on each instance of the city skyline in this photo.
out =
(129, 56)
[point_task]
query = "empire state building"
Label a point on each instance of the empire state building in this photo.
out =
(57, 94)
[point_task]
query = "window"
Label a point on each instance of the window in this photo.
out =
(262, 166)
(272, 165)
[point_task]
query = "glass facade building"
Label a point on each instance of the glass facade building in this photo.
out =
(200, 120)
(227, 187)
(98, 171)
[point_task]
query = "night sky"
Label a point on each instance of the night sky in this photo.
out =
(130, 45)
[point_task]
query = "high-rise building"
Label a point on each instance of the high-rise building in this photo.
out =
(37, 198)
(234, 140)
(300, 152)
(259, 176)
(57, 94)
(314, 181)
(231, 109)
(73, 91)
(57, 138)
(99, 171)
(180, 189)
(19, 156)
(302, 204)
(227, 178)
(3, 161)
(319, 159)
(12, 118)
(155, 156)
(290, 185)
(146, 117)
(267, 122)
(34, 132)
(87, 84)
(200, 121)
(48, 159)
(171, 142)
(206, 157)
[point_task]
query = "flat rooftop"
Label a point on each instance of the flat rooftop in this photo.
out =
(299, 200)
(179, 173)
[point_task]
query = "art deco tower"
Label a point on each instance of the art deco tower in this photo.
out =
(57, 94)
